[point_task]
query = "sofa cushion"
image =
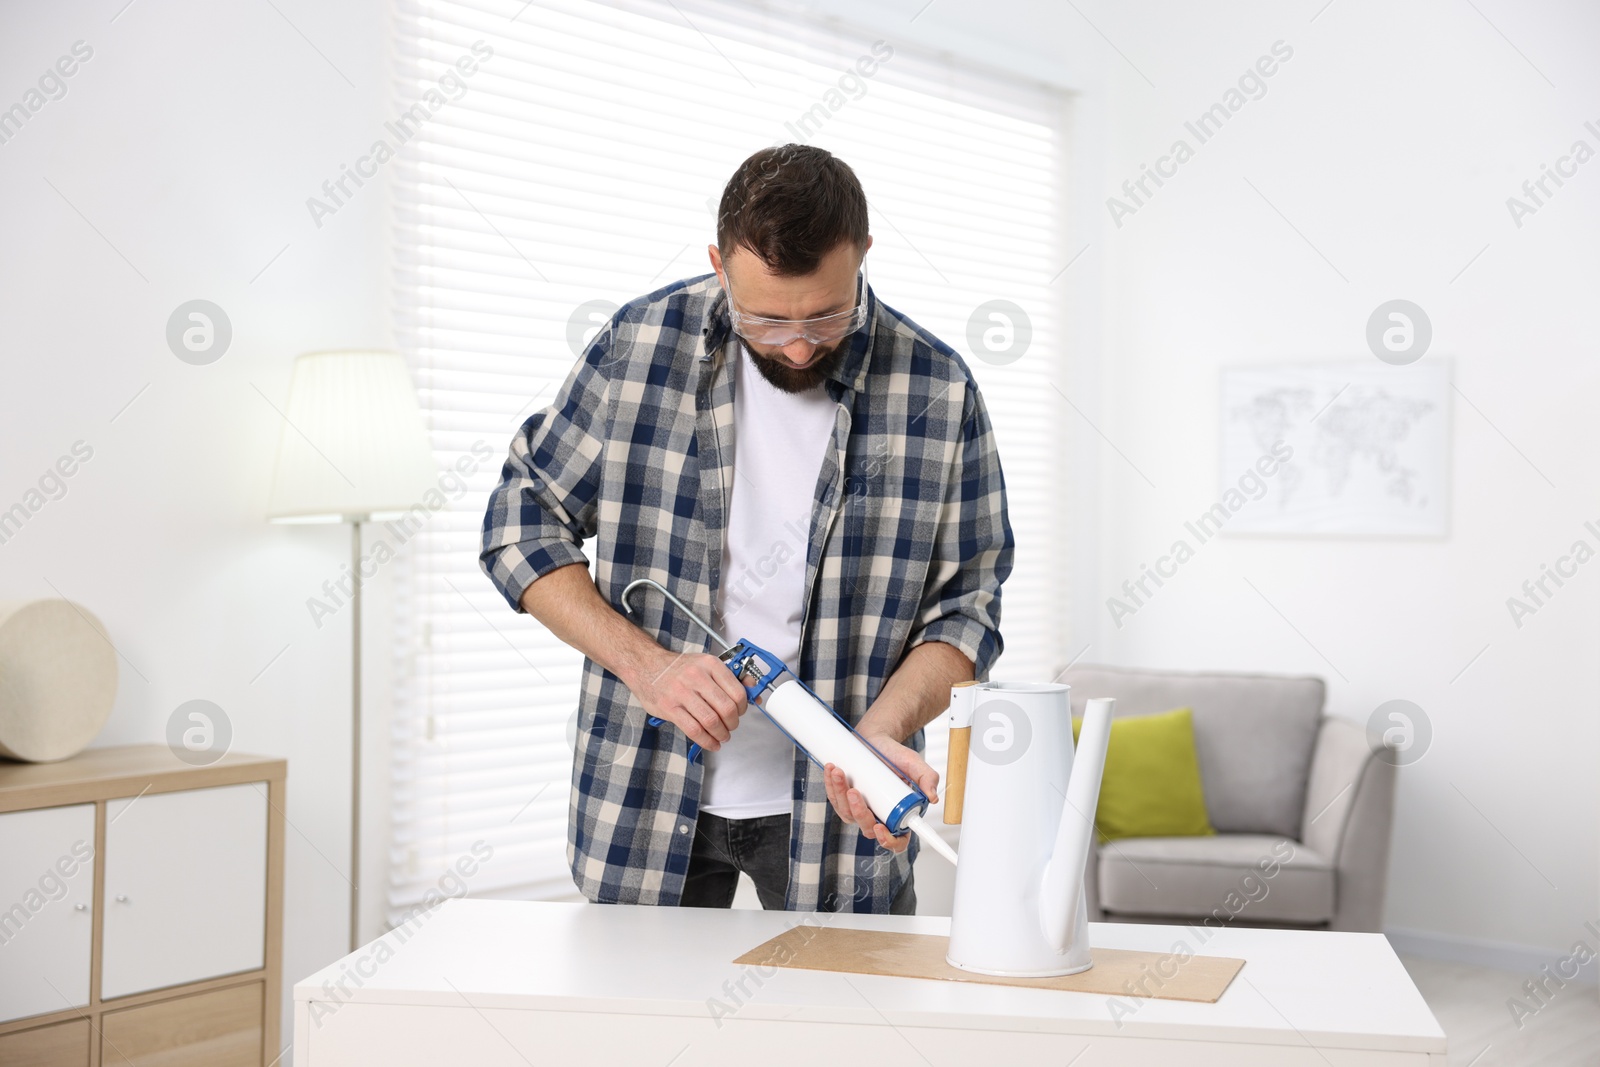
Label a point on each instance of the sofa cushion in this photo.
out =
(1253, 734)
(1151, 785)
(1249, 877)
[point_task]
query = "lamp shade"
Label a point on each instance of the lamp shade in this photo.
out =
(353, 443)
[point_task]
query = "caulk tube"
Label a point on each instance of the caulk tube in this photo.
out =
(814, 727)
(823, 736)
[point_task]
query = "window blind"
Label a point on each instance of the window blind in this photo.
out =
(563, 157)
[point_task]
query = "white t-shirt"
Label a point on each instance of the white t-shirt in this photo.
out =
(779, 442)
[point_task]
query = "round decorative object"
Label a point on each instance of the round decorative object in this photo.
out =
(58, 678)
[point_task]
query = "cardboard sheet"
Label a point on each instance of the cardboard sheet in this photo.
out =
(1116, 972)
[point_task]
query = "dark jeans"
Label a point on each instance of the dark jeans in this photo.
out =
(760, 848)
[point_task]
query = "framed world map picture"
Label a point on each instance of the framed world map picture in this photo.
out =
(1358, 448)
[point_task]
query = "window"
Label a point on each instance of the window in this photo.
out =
(579, 166)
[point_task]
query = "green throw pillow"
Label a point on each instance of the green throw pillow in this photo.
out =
(1151, 786)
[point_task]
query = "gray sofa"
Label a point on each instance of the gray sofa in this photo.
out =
(1301, 803)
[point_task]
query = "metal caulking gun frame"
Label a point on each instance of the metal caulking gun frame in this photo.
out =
(763, 676)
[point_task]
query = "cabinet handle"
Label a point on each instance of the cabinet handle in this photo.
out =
(80, 907)
(122, 898)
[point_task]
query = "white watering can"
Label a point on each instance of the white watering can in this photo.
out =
(1026, 805)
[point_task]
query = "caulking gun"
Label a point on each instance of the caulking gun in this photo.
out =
(817, 730)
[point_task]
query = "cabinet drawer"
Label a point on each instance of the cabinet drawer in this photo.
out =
(185, 887)
(46, 909)
(221, 1028)
(61, 1045)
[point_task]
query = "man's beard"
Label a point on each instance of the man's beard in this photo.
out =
(792, 380)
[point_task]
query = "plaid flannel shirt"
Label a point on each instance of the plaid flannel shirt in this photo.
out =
(909, 542)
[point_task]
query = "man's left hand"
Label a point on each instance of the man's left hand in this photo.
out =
(852, 806)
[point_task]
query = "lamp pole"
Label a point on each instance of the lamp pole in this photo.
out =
(355, 730)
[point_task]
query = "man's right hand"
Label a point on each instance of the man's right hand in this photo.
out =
(695, 691)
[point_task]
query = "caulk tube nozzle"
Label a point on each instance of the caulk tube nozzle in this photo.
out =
(929, 835)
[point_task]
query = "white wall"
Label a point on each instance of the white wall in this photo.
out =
(1391, 140)
(190, 141)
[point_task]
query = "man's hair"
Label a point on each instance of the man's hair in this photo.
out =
(791, 205)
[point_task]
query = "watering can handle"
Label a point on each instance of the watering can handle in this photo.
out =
(962, 698)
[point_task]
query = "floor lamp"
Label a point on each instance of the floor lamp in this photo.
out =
(353, 449)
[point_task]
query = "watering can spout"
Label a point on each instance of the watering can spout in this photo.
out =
(1061, 895)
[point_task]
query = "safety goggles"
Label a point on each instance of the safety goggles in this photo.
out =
(821, 330)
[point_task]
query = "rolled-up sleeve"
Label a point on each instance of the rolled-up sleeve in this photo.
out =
(972, 551)
(545, 504)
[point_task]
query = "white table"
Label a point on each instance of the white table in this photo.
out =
(509, 984)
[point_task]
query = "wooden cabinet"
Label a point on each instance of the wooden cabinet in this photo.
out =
(141, 910)
(217, 1029)
(47, 1046)
(47, 888)
(186, 879)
